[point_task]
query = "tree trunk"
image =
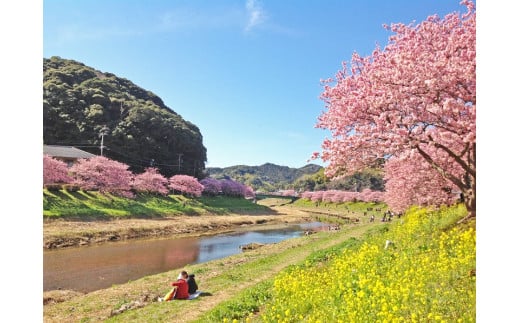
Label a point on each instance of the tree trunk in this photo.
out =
(470, 201)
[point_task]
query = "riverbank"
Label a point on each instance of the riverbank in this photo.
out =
(74, 219)
(240, 286)
(220, 280)
(67, 224)
(96, 206)
(61, 233)
(70, 232)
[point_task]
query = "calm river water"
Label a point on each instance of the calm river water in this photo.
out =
(87, 269)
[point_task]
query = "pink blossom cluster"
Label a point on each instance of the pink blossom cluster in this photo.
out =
(411, 181)
(106, 175)
(415, 98)
(338, 196)
(212, 186)
(55, 171)
(103, 174)
(228, 187)
(151, 181)
(232, 188)
(289, 192)
(186, 184)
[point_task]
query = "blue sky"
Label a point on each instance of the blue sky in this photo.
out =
(246, 72)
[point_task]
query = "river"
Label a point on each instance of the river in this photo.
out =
(86, 269)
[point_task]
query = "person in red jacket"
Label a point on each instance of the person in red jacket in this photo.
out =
(180, 288)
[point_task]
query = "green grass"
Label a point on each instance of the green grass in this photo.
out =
(356, 207)
(65, 204)
(245, 303)
(223, 204)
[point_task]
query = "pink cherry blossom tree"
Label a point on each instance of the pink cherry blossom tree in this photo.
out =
(231, 188)
(248, 191)
(317, 196)
(417, 94)
(328, 196)
(55, 171)
(151, 181)
(103, 174)
(351, 197)
(289, 192)
(410, 181)
(212, 186)
(306, 195)
(337, 197)
(186, 184)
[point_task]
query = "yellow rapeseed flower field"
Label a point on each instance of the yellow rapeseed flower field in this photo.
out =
(426, 275)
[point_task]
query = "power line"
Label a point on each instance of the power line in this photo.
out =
(89, 146)
(74, 144)
(144, 163)
(132, 161)
(147, 161)
(123, 154)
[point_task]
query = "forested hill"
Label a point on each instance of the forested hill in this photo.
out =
(267, 177)
(271, 178)
(79, 102)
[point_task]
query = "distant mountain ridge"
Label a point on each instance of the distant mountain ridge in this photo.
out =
(267, 177)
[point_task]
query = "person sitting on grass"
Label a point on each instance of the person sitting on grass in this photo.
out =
(192, 284)
(180, 288)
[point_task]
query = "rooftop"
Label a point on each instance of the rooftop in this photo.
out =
(66, 152)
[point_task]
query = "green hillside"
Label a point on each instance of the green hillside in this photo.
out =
(267, 177)
(270, 178)
(367, 179)
(79, 101)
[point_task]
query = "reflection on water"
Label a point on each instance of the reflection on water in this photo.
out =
(87, 269)
(226, 245)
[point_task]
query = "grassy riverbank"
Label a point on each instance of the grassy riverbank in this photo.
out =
(63, 204)
(73, 226)
(432, 261)
(221, 279)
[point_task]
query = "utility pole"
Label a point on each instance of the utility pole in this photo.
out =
(180, 155)
(103, 132)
